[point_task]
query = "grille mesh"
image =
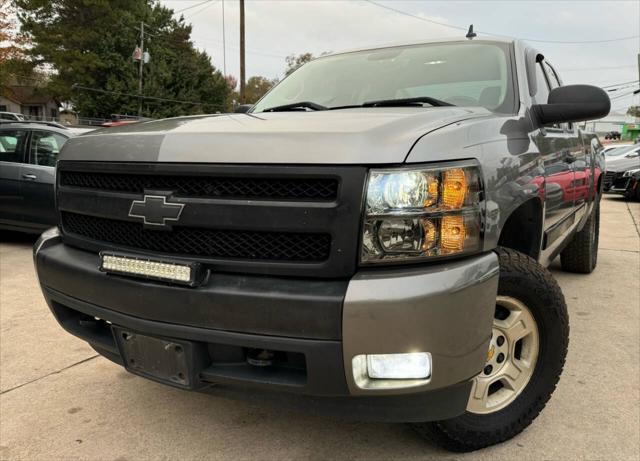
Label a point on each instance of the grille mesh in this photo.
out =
(207, 186)
(273, 246)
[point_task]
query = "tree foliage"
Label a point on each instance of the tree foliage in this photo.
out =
(14, 63)
(634, 111)
(256, 88)
(89, 43)
(294, 61)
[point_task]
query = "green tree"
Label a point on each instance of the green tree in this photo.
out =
(294, 61)
(89, 44)
(14, 63)
(256, 87)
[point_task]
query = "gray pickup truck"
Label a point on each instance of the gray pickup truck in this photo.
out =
(370, 238)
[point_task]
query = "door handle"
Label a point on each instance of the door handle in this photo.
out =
(31, 177)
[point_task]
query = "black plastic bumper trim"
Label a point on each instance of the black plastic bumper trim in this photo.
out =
(325, 392)
(325, 370)
(310, 309)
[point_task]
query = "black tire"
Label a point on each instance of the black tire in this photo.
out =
(581, 254)
(633, 192)
(524, 279)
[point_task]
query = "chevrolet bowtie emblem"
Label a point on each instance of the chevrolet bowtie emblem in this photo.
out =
(155, 211)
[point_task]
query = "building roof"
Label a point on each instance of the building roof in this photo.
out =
(25, 94)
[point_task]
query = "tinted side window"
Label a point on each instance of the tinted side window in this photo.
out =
(12, 145)
(45, 147)
(551, 75)
(542, 94)
(554, 81)
(545, 85)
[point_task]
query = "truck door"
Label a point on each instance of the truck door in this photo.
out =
(12, 156)
(577, 150)
(557, 149)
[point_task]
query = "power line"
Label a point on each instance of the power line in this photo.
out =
(190, 7)
(153, 98)
(611, 90)
(452, 26)
(619, 84)
(208, 5)
(574, 69)
(248, 50)
(174, 40)
(625, 95)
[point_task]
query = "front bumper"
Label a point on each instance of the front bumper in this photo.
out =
(617, 183)
(317, 327)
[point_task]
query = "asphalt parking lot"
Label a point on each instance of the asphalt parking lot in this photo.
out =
(58, 400)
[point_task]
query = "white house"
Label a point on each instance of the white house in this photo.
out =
(28, 100)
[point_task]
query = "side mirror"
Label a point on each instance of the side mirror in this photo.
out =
(573, 103)
(243, 108)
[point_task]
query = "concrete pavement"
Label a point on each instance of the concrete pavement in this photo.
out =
(59, 401)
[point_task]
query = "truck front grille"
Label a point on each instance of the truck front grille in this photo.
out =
(279, 220)
(274, 246)
(248, 187)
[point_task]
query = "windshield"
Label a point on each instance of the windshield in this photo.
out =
(461, 74)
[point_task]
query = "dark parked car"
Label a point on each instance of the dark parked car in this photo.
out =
(28, 155)
(623, 174)
(612, 135)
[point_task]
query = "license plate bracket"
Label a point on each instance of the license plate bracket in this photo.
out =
(169, 361)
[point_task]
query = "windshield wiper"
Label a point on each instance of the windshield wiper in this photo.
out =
(406, 102)
(296, 105)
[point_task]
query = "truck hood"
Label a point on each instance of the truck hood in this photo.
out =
(347, 136)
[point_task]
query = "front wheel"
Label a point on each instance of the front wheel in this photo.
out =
(524, 361)
(581, 254)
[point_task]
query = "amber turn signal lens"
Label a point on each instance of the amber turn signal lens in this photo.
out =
(452, 234)
(429, 239)
(454, 188)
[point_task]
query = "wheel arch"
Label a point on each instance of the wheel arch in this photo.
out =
(528, 215)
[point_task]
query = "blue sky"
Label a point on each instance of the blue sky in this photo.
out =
(277, 28)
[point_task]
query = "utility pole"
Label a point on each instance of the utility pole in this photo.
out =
(141, 66)
(242, 76)
(224, 45)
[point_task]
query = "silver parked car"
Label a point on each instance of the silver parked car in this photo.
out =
(12, 116)
(28, 155)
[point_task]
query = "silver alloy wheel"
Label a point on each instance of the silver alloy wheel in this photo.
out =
(511, 359)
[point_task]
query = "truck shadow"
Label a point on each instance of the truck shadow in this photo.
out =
(17, 237)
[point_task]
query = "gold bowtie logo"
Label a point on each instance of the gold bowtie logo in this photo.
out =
(490, 353)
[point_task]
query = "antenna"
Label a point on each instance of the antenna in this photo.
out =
(471, 34)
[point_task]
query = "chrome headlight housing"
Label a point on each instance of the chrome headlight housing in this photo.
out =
(629, 173)
(422, 213)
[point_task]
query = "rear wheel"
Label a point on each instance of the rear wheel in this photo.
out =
(525, 358)
(581, 254)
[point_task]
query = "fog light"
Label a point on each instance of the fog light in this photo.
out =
(149, 268)
(414, 365)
